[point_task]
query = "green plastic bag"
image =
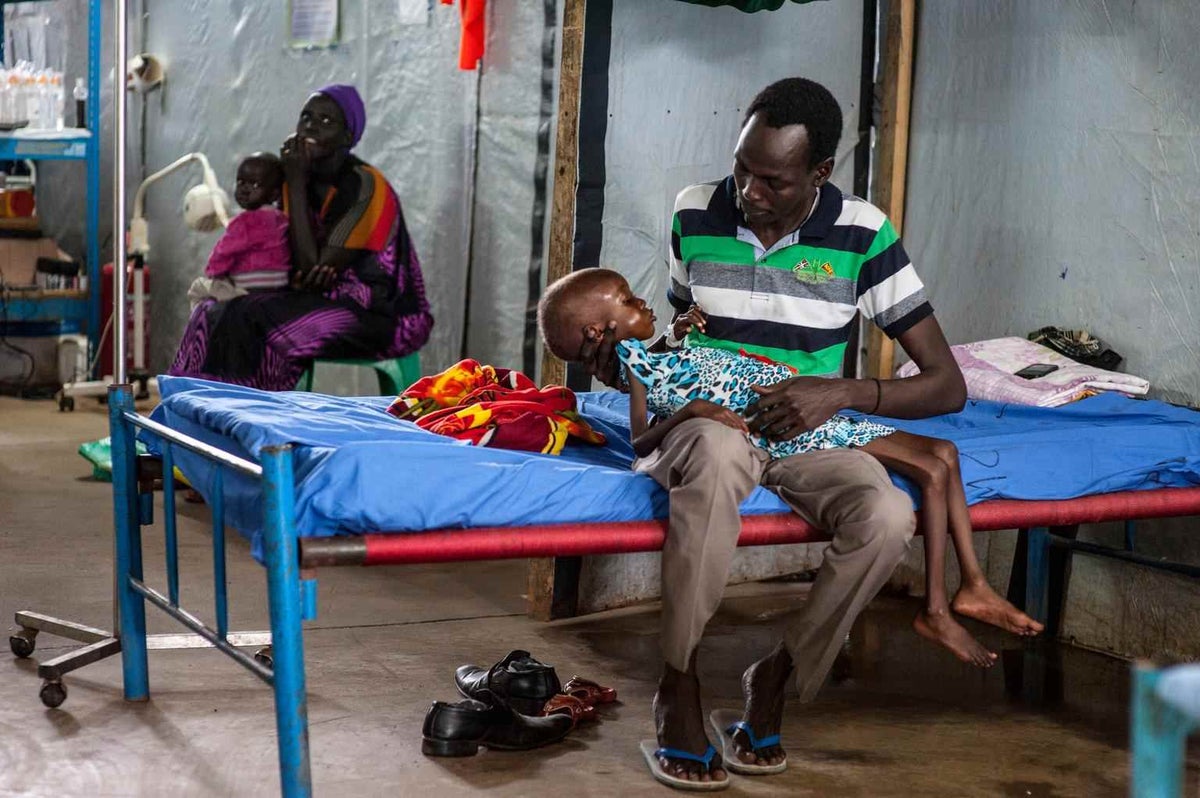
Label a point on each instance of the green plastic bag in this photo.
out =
(99, 454)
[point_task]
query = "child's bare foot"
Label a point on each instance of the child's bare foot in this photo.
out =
(941, 628)
(977, 600)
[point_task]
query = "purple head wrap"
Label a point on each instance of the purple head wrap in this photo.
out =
(347, 98)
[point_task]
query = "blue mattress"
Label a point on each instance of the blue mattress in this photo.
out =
(360, 470)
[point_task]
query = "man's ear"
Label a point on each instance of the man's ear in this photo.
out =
(822, 172)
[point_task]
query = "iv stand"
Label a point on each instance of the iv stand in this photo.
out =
(101, 644)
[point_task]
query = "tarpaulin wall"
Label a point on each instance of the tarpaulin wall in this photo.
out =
(1054, 178)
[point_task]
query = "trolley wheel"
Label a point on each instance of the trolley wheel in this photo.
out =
(66, 403)
(265, 656)
(22, 643)
(53, 694)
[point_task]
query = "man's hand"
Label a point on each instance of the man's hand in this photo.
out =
(788, 408)
(702, 408)
(693, 319)
(599, 356)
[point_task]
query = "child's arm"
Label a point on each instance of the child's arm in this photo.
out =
(647, 437)
(684, 323)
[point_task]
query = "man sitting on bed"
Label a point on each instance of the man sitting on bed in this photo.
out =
(780, 260)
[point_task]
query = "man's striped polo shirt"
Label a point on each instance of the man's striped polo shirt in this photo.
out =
(795, 302)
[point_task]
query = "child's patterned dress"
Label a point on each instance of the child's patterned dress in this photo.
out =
(678, 376)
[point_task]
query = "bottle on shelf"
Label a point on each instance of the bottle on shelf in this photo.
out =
(57, 100)
(45, 101)
(80, 93)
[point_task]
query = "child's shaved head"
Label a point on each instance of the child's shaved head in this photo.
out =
(567, 307)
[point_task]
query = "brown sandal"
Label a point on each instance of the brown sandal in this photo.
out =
(570, 706)
(589, 692)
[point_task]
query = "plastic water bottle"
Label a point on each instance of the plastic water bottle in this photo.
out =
(80, 93)
(45, 101)
(57, 100)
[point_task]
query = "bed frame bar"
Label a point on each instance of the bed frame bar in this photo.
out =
(1046, 526)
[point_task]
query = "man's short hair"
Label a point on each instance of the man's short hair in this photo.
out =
(563, 311)
(799, 101)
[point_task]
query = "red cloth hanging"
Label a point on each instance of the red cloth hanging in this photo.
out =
(470, 48)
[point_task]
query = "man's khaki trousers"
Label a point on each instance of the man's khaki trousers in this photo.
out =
(709, 469)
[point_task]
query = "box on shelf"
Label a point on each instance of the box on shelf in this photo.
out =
(19, 257)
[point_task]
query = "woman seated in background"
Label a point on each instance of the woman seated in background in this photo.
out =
(356, 287)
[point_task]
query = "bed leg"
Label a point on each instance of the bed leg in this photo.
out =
(1037, 573)
(1158, 734)
(287, 641)
(128, 545)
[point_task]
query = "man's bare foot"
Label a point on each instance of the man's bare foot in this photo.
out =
(680, 725)
(763, 685)
(977, 600)
(941, 628)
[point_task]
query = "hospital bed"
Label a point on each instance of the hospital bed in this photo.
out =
(316, 481)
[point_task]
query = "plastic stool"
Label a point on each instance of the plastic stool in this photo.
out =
(394, 375)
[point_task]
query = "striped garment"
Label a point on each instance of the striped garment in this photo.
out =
(794, 303)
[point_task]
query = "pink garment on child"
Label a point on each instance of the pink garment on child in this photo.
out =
(254, 251)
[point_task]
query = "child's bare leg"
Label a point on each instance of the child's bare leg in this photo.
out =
(934, 622)
(975, 597)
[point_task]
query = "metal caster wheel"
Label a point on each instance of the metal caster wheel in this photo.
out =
(66, 404)
(22, 643)
(53, 694)
(264, 656)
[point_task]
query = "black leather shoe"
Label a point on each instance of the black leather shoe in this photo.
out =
(459, 729)
(519, 680)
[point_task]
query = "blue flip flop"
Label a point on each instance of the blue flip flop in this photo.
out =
(725, 722)
(652, 751)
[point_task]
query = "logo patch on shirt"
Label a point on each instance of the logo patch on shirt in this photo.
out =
(813, 272)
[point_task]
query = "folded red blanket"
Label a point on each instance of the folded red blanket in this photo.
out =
(495, 407)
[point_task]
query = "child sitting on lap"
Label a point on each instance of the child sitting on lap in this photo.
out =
(724, 386)
(253, 254)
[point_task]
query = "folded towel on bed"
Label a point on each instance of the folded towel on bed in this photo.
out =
(500, 408)
(990, 367)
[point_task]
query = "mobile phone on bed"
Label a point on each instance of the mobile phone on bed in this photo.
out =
(1037, 370)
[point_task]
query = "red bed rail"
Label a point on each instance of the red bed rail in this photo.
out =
(622, 537)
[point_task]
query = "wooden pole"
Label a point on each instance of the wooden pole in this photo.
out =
(891, 165)
(566, 172)
(541, 582)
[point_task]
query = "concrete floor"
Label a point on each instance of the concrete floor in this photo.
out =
(898, 718)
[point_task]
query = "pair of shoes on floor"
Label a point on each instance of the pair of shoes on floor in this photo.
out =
(500, 710)
(533, 688)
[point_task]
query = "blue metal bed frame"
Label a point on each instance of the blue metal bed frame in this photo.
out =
(291, 599)
(292, 593)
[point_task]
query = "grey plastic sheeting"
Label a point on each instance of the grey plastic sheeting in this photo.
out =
(680, 77)
(235, 87)
(1054, 175)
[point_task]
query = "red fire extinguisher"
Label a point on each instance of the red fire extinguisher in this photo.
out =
(137, 317)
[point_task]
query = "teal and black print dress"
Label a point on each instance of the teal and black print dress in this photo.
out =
(678, 376)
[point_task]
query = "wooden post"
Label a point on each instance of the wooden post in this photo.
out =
(541, 577)
(891, 164)
(566, 173)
